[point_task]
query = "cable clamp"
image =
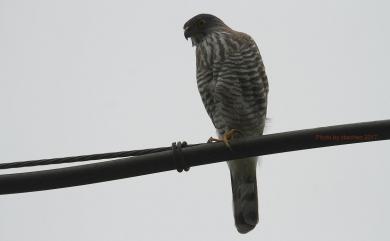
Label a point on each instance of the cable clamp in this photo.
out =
(178, 157)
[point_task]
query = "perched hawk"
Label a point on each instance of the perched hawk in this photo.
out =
(233, 85)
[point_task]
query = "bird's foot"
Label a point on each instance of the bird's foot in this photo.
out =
(225, 138)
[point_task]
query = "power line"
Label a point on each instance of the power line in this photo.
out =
(73, 159)
(183, 158)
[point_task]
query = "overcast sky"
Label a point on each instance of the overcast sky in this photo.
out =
(82, 77)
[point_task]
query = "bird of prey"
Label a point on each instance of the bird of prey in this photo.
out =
(233, 86)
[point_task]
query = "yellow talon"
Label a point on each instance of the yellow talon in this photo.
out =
(225, 138)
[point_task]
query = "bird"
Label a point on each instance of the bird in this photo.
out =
(233, 86)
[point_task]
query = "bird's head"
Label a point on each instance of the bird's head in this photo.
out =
(198, 27)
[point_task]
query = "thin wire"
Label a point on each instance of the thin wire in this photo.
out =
(84, 158)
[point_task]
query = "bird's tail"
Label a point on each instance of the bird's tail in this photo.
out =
(244, 188)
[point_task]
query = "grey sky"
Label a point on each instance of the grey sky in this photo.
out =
(81, 77)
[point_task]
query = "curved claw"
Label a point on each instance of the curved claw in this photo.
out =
(225, 138)
(212, 139)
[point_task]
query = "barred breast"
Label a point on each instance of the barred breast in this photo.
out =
(232, 82)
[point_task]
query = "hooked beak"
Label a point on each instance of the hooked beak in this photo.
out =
(187, 33)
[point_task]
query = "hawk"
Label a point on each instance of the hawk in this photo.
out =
(233, 86)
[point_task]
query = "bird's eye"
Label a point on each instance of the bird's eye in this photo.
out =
(201, 23)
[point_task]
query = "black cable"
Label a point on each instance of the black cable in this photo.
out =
(83, 158)
(194, 156)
